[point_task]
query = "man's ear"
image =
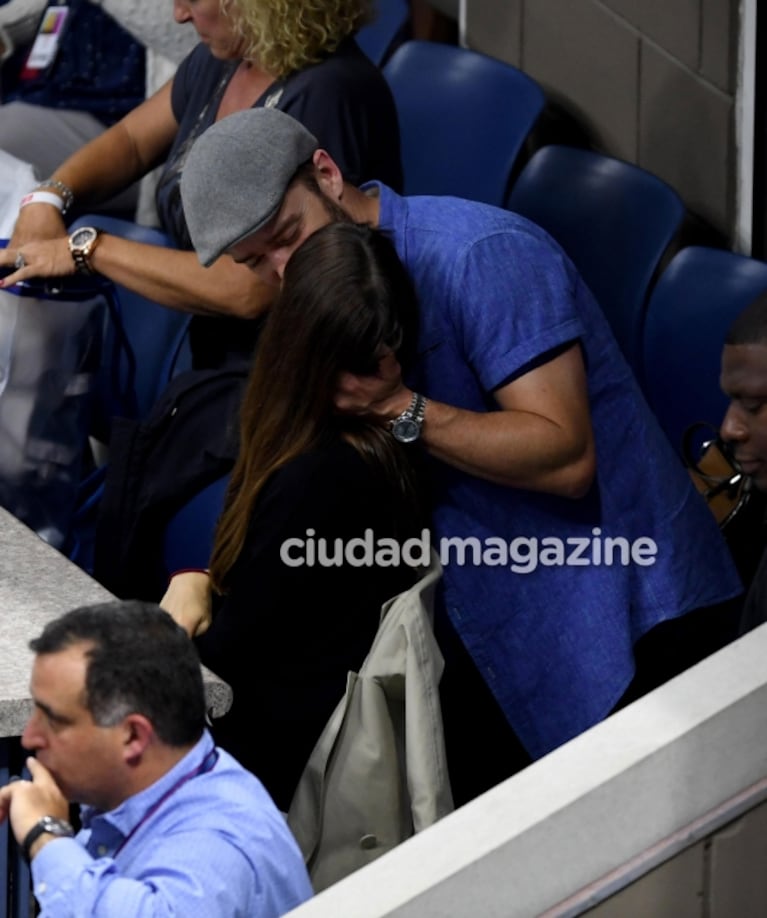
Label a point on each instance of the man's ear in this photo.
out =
(138, 733)
(328, 175)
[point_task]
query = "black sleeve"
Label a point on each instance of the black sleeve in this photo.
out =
(755, 607)
(332, 495)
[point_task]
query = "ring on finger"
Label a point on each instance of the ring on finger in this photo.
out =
(20, 262)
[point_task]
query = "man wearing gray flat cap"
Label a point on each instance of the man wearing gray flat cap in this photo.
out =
(521, 400)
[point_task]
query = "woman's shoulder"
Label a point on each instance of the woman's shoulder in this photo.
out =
(332, 485)
(334, 460)
(198, 59)
(346, 103)
(347, 65)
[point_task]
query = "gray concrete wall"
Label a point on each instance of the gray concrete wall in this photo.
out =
(658, 811)
(722, 876)
(653, 80)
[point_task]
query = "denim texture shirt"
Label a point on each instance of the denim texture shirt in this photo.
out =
(206, 839)
(550, 625)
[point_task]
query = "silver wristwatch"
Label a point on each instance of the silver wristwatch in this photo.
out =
(82, 242)
(407, 427)
(49, 825)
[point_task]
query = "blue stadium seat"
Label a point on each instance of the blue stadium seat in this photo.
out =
(189, 535)
(390, 27)
(144, 345)
(463, 119)
(156, 335)
(694, 302)
(615, 221)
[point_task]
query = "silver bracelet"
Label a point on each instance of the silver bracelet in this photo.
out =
(67, 195)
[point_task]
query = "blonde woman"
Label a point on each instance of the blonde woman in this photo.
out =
(295, 55)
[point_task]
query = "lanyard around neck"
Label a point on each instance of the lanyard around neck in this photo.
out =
(206, 765)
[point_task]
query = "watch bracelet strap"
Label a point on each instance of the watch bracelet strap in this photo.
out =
(418, 407)
(38, 829)
(82, 265)
(415, 410)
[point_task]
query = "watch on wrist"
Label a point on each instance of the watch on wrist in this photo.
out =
(48, 825)
(82, 242)
(407, 427)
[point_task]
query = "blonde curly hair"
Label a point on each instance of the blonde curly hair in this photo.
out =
(283, 36)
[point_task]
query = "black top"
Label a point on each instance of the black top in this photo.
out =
(285, 637)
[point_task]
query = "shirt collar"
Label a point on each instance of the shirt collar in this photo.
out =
(390, 204)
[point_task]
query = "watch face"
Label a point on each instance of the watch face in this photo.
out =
(406, 430)
(83, 236)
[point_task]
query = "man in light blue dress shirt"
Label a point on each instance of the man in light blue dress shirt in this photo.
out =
(170, 823)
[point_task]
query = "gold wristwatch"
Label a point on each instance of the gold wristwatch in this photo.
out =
(82, 242)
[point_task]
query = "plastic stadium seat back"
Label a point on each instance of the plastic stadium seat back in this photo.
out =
(463, 119)
(156, 335)
(615, 221)
(693, 304)
(390, 27)
(189, 535)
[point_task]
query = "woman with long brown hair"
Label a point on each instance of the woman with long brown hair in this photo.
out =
(296, 603)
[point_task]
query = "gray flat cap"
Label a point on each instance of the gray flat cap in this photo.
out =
(236, 174)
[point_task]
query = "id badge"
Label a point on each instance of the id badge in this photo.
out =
(46, 44)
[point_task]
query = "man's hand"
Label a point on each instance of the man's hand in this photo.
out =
(188, 602)
(380, 397)
(26, 802)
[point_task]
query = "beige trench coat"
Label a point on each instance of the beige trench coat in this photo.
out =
(378, 772)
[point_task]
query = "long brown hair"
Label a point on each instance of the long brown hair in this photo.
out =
(345, 298)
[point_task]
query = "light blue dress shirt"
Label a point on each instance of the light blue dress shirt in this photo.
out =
(205, 840)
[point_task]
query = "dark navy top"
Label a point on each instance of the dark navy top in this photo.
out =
(99, 68)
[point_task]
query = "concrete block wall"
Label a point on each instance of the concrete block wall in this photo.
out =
(660, 811)
(653, 81)
(720, 877)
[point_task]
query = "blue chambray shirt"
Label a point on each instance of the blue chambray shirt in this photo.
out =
(554, 644)
(217, 846)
